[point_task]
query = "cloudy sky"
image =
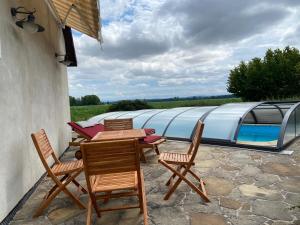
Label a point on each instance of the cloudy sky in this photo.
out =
(168, 48)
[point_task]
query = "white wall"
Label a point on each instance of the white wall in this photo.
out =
(33, 95)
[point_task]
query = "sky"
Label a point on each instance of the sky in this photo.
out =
(177, 48)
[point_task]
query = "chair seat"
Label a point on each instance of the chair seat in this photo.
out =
(67, 167)
(175, 158)
(153, 139)
(114, 181)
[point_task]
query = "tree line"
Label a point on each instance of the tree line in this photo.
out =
(85, 100)
(275, 76)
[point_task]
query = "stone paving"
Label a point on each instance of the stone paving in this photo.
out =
(246, 187)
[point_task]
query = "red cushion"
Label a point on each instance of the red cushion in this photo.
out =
(150, 139)
(149, 131)
(87, 131)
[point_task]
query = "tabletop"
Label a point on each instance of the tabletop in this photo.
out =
(119, 134)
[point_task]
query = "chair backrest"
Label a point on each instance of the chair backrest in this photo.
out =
(196, 140)
(118, 124)
(44, 148)
(110, 157)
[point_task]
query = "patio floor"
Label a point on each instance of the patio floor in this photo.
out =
(246, 187)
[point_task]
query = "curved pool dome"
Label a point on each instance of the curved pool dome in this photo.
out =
(262, 125)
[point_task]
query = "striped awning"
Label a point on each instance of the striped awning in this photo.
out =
(81, 15)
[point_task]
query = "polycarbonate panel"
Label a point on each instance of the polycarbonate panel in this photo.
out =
(290, 131)
(222, 122)
(114, 116)
(183, 125)
(133, 114)
(140, 120)
(160, 121)
(268, 115)
(98, 118)
(298, 121)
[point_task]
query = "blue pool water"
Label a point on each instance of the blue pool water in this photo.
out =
(259, 133)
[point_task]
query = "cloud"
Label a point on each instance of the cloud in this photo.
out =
(157, 49)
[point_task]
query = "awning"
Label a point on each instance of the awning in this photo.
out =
(81, 15)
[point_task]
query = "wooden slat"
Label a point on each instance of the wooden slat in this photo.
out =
(88, 13)
(85, 21)
(119, 134)
(118, 124)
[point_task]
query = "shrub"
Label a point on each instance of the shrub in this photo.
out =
(128, 105)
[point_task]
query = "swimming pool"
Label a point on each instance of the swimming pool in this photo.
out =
(258, 133)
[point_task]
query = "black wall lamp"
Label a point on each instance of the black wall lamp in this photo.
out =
(63, 59)
(27, 22)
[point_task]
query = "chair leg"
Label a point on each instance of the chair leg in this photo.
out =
(74, 198)
(156, 150)
(142, 155)
(181, 177)
(58, 187)
(107, 198)
(94, 203)
(79, 186)
(143, 199)
(89, 213)
(173, 176)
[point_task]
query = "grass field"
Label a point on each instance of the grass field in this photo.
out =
(79, 113)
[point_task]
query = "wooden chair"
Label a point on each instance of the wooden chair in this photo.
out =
(68, 171)
(180, 165)
(118, 124)
(150, 142)
(112, 170)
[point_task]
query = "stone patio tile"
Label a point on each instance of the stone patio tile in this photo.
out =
(230, 203)
(37, 221)
(207, 219)
(218, 186)
(275, 210)
(245, 187)
(256, 192)
(281, 169)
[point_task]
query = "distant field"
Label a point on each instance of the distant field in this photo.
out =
(79, 113)
(199, 102)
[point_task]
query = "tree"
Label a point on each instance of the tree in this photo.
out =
(275, 76)
(90, 100)
(73, 101)
(128, 105)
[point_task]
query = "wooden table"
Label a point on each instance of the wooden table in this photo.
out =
(119, 135)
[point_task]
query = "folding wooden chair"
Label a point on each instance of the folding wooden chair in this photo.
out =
(118, 124)
(112, 170)
(180, 165)
(68, 171)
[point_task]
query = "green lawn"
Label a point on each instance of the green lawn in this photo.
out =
(79, 113)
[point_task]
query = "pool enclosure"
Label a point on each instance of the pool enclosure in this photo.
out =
(262, 125)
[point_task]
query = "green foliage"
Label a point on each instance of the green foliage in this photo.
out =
(90, 100)
(85, 100)
(276, 76)
(128, 105)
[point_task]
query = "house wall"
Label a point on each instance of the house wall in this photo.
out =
(33, 95)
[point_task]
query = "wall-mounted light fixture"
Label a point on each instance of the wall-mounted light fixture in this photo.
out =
(27, 22)
(63, 59)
